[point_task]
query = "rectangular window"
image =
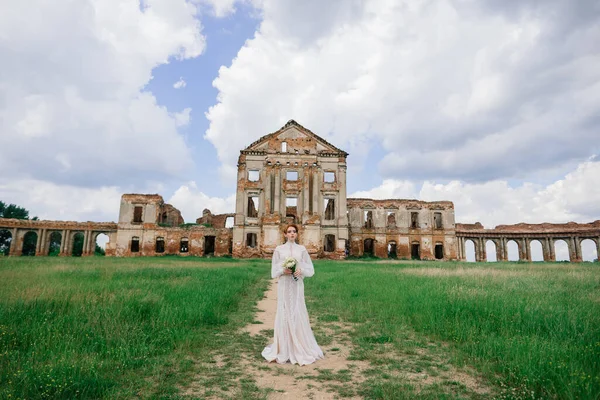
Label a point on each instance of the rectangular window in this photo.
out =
(253, 206)
(253, 175)
(291, 201)
(414, 219)
(329, 177)
(251, 240)
(391, 219)
(160, 245)
(437, 220)
(184, 245)
(329, 209)
(283, 147)
(135, 244)
(291, 175)
(329, 243)
(137, 214)
(368, 219)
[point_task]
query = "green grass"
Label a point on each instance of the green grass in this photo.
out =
(533, 330)
(115, 328)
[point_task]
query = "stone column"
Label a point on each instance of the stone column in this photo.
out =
(341, 207)
(482, 250)
(92, 244)
(459, 250)
(315, 199)
(578, 255)
(63, 236)
(304, 207)
(13, 243)
(527, 244)
(277, 194)
(598, 248)
(546, 249)
(551, 250)
(499, 253)
(504, 249)
(572, 251)
(84, 250)
(67, 249)
(38, 241)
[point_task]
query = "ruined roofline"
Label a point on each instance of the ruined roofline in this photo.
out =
(399, 201)
(52, 224)
(291, 122)
(143, 198)
(522, 227)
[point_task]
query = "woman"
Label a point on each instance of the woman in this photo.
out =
(293, 340)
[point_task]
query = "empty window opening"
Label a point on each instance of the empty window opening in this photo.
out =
(30, 243)
(135, 244)
(415, 251)
(291, 201)
(229, 222)
(439, 251)
(329, 177)
(77, 249)
(283, 147)
(160, 245)
(414, 219)
(253, 206)
(291, 175)
(251, 240)
(5, 241)
(368, 215)
(329, 243)
(137, 214)
(99, 244)
(54, 243)
(184, 246)
(329, 209)
(437, 220)
(368, 249)
(209, 245)
(253, 175)
(391, 219)
(392, 250)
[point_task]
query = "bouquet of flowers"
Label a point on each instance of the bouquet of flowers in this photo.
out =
(290, 263)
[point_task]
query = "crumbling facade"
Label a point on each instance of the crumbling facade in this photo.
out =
(294, 176)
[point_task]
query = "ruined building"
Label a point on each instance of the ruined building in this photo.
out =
(294, 176)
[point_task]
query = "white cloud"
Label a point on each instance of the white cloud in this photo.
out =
(191, 202)
(180, 83)
(220, 8)
(50, 201)
(453, 90)
(72, 104)
(182, 118)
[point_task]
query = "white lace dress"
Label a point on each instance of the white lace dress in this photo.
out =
(293, 338)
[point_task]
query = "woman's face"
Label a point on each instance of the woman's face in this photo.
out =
(291, 234)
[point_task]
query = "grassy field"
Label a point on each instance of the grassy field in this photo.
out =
(122, 328)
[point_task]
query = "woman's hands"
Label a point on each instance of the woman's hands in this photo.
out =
(297, 274)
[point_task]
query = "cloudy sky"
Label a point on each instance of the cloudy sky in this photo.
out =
(491, 104)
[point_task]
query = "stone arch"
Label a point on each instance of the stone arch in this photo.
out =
(5, 241)
(561, 250)
(536, 249)
(77, 244)
(101, 239)
(589, 250)
(29, 243)
(54, 243)
(470, 250)
(491, 250)
(513, 250)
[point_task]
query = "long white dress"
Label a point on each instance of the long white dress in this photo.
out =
(293, 339)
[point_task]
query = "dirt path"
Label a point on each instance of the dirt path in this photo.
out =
(300, 382)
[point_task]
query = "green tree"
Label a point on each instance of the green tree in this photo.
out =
(14, 211)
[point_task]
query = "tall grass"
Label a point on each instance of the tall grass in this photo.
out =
(115, 328)
(534, 328)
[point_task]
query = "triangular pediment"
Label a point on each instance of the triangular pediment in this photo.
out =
(294, 133)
